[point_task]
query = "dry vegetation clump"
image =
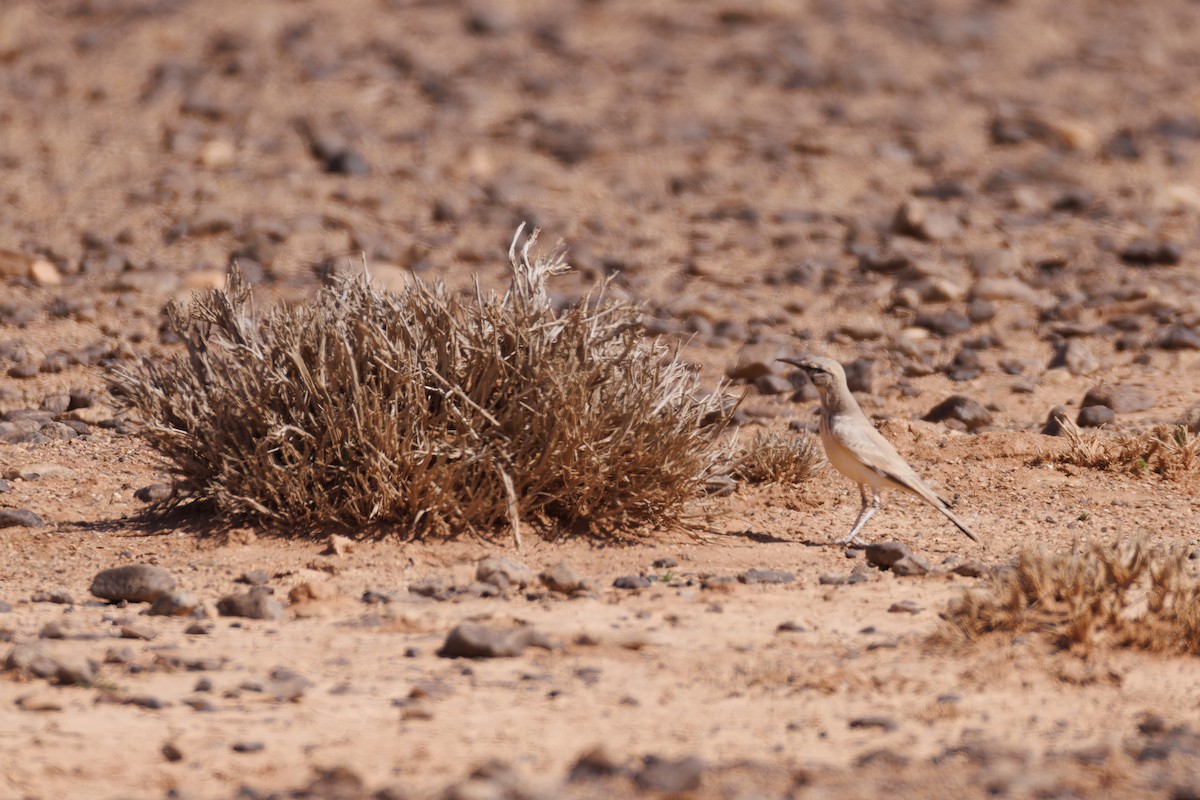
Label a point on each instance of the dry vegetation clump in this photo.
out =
(775, 457)
(1166, 450)
(428, 410)
(1122, 594)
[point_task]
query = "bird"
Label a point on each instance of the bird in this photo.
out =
(858, 451)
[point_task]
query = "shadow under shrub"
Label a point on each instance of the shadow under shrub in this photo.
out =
(427, 410)
(1120, 594)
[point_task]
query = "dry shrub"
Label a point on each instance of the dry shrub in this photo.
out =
(1166, 450)
(1119, 594)
(428, 410)
(777, 458)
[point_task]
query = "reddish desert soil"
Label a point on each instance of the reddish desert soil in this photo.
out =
(737, 167)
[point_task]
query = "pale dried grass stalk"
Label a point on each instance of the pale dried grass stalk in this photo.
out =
(427, 411)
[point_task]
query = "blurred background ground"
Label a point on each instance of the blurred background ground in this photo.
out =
(991, 199)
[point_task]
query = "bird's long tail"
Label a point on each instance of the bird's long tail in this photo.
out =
(962, 526)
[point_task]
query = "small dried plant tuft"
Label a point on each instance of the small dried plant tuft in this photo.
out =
(1169, 451)
(1122, 594)
(775, 457)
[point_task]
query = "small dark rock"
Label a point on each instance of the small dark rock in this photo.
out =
(135, 583)
(59, 596)
(503, 573)
(593, 765)
(254, 604)
(874, 721)
(11, 517)
(765, 576)
(669, 775)
(943, 323)
(473, 640)
(174, 604)
(631, 582)
(970, 569)
(154, 493)
(1122, 399)
(562, 578)
(1095, 417)
(897, 557)
(1148, 254)
(435, 588)
(254, 577)
(249, 747)
(1177, 337)
(1054, 421)
(772, 384)
(971, 413)
(1076, 356)
(665, 563)
(860, 375)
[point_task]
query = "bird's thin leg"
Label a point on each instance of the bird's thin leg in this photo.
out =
(868, 509)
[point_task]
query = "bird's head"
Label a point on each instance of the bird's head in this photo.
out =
(825, 373)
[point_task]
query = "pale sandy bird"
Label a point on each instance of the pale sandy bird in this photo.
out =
(860, 452)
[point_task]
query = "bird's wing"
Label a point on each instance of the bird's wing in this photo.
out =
(878, 454)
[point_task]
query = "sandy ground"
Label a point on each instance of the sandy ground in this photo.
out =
(737, 167)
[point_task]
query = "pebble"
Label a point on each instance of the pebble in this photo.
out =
(943, 323)
(897, 557)
(19, 517)
(1177, 337)
(1095, 417)
(562, 578)
(38, 660)
(665, 563)
(773, 384)
(914, 218)
(254, 577)
(593, 765)
(994, 263)
(34, 472)
(904, 607)
(135, 583)
(154, 493)
(59, 596)
(249, 747)
(475, 640)
(175, 604)
(503, 573)
(971, 413)
(338, 545)
(1144, 253)
(631, 582)
(5, 486)
(671, 776)
(1004, 290)
(1076, 356)
(1122, 399)
(254, 604)
(970, 569)
(877, 721)
(860, 375)
(1054, 421)
(765, 576)
(756, 360)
